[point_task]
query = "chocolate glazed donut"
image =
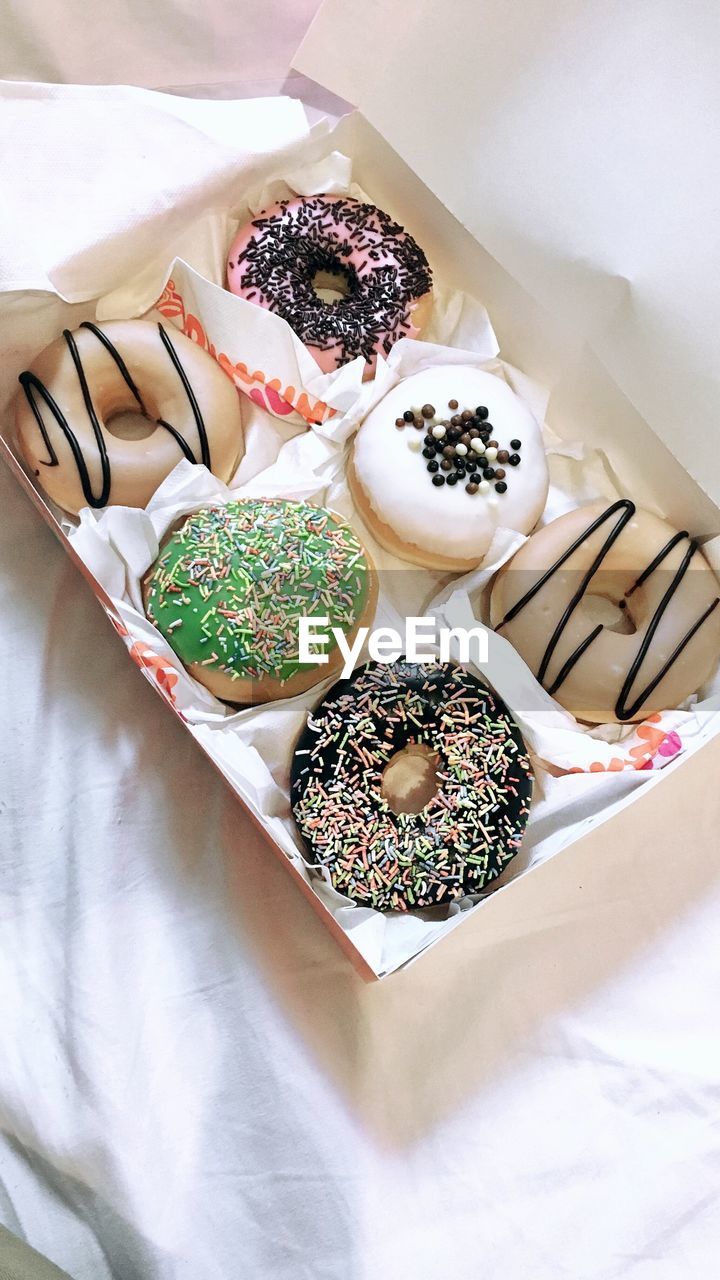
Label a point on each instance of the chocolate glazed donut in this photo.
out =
(462, 837)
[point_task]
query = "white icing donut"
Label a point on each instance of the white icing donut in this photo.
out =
(395, 478)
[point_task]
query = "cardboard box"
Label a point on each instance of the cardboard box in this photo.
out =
(482, 167)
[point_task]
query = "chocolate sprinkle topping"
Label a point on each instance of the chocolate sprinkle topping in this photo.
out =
(296, 243)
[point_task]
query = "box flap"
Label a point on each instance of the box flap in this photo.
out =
(346, 46)
(575, 139)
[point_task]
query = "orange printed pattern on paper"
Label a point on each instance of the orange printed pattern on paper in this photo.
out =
(164, 674)
(118, 625)
(269, 393)
(166, 677)
(654, 742)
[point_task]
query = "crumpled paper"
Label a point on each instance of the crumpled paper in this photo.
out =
(159, 162)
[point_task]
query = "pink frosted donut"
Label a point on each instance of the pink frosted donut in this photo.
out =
(281, 259)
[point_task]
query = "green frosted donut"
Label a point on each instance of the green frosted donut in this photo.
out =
(231, 584)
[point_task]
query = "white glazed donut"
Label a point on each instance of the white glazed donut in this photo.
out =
(447, 457)
(83, 380)
(613, 610)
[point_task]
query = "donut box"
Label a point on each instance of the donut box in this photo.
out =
(564, 325)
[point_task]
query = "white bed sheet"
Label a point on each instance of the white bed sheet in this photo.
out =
(194, 1083)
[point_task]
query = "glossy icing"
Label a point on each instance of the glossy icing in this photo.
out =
(461, 839)
(392, 474)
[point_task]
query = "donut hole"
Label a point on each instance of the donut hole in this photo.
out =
(611, 614)
(129, 424)
(410, 779)
(331, 282)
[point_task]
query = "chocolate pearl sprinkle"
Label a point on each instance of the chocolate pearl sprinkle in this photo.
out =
(516, 444)
(400, 423)
(450, 450)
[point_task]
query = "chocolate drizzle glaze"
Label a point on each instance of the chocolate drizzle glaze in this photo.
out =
(293, 245)
(625, 510)
(34, 388)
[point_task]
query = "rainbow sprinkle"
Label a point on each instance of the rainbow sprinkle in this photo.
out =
(465, 834)
(230, 586)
